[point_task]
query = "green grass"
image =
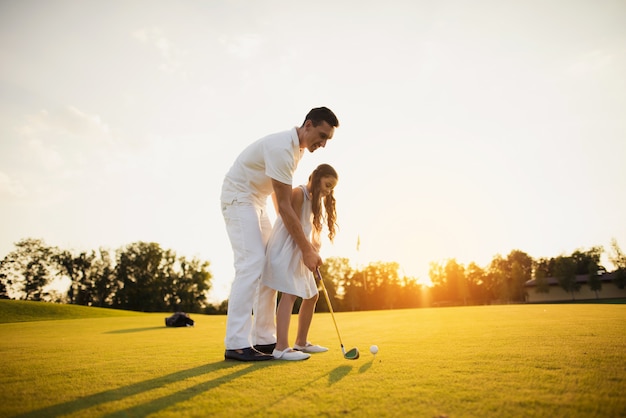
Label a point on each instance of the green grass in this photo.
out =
(25, 311)
(491, 361)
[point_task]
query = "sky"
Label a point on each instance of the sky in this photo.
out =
(467, 129)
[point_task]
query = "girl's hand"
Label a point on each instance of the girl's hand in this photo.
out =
(312, 259)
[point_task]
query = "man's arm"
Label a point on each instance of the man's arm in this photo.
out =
(310, 256)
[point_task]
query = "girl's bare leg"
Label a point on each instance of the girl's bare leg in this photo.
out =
(283, 317)
(304, 319)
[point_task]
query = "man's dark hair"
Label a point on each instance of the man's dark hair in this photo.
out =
(322, 114)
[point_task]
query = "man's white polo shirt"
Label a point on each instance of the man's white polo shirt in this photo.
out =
(275, 156)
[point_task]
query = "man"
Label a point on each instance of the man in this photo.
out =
(264, 167)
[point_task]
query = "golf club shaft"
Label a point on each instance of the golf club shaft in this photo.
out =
(330, 308)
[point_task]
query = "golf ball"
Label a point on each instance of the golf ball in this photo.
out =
(374, 349)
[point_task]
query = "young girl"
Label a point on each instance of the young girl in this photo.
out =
(284, 270)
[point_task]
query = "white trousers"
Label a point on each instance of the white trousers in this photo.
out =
(251, 305)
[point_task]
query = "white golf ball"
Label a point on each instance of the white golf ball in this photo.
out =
(374, 349)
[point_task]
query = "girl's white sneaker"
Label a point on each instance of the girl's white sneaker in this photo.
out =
(310, 348)
(290, 354)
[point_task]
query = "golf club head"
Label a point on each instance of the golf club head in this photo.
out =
(352, 354)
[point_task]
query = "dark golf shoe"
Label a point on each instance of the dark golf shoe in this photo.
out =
(265, 348)
(246, 354)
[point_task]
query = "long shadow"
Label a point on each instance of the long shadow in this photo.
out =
(131, 330)
(366, 366)
(164, 402)
(113, 395)
(337, 374)
(334, 376)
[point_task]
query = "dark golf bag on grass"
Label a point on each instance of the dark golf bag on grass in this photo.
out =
(179, 319)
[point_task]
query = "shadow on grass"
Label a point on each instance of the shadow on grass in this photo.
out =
(366, 366)
(131, 330)
(113, 395)
(337, 374)
(334, 376)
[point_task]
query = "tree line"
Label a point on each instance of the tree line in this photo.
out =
(144, 277)
(141, 276)
(503, 279)
(379, 285)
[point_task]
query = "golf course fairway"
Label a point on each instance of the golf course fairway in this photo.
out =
(562, 360)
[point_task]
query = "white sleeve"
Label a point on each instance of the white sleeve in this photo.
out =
(280, 163)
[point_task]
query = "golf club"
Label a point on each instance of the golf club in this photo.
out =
(353, 353)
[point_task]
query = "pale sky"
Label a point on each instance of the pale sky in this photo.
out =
(468, 128)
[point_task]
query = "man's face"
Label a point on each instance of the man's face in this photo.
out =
(316, 136)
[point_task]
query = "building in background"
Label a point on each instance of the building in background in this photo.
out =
(553, 292)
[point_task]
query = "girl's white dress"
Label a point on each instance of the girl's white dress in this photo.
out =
(284, 269)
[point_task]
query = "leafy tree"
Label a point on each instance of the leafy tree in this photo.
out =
(565, 272)
(346, 287)
(595, 283)
(4, 294)
(220, 309)
(77, 269)
(519, 270)
(456, 282)
(437, 275)
(65, 261)
(28, 270)
(376, 286)
(383, 285)
(618, 258)
(497, 279)
(449, 282)
(582, 259)
(139, 268)
(151, 279)
(104, 280)
(476, 278)
(144, 277)
(379, 286)
(167, 279)
(413, 295)
(189, 286)
(542, 271)
(337, 275)
(518, 278)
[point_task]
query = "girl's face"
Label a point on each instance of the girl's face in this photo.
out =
(327, 184)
